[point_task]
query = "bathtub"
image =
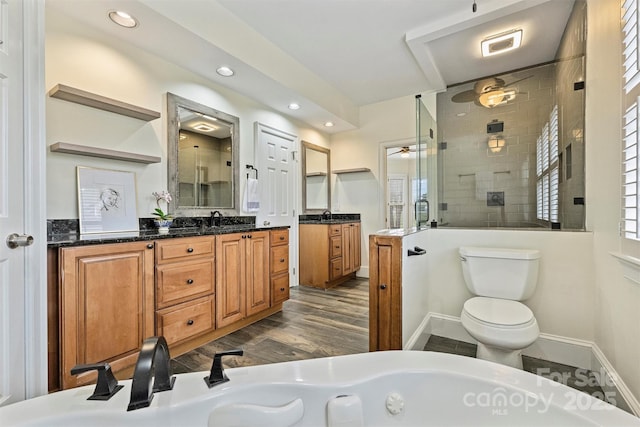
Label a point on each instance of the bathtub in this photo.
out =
(395, 388)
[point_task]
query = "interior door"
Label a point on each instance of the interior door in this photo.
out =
(22, 267)
(278, 172)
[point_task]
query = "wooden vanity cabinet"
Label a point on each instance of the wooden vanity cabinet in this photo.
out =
(279, 266)
(184, 298)
(106, 307)
(242, 276)
(329, 253)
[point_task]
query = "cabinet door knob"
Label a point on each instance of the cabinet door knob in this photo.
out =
(281, 259)
(244, 236)
(383, 286)
(149, 245)
(281, 237)
(190, 322)
(189, 281)
(189, 250)
(281, 289)
(249, 236)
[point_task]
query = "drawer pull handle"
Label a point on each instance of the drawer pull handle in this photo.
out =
(150, 246)
(189, 250)
(281, 237)
(189, 281)
(281, 259)
(190, 322)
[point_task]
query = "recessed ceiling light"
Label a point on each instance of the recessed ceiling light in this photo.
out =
(501, 43)
(123, 19)
(225, 71)
(294, 106)
(328, 124)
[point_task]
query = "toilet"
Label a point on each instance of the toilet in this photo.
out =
(500, 278)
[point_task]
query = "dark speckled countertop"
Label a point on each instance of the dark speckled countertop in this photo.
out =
(65, 232)
(334, 218)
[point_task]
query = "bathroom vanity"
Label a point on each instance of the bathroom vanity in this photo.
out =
(330, 249)
(191, 286)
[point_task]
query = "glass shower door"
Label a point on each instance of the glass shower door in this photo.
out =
(424, 187)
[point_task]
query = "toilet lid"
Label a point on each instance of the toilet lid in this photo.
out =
(498, 311)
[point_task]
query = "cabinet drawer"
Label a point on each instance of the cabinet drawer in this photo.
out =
(335, 248)
(279, 259)
(182, 281)
(174, 249)
(186, 320)
(279, 237)
(335, 230)
(335, 268)
(279, 288)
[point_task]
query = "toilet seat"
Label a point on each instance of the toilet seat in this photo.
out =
(500, 323)
(501, 313)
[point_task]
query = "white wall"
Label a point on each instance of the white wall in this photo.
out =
(78, 56)
(617, 300)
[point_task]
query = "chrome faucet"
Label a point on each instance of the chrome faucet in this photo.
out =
(326, 214)
(216, 217)
(153, 364)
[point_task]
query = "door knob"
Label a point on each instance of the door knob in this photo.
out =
(15, 240)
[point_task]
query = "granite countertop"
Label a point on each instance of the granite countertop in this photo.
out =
(63, 233)
(333, 218)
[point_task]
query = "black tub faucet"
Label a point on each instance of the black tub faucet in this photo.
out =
(217, 375)
(153, 363)
(216, 217)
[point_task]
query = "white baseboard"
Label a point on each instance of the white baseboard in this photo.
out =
(611, 383)
(554, 348)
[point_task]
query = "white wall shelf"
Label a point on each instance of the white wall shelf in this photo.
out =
(83, 150)
(100, 102)
(312, 174)
(354, 170)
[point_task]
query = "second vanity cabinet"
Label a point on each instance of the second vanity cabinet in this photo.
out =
(329, 253)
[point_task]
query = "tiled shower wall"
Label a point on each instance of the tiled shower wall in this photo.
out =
(480, 188)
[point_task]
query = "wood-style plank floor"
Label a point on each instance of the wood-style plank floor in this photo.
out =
(313, 323)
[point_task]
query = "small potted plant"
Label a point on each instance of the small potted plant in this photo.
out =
(163, 220)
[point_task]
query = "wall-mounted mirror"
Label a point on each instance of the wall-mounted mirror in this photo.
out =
(316, 182)
(202, 157)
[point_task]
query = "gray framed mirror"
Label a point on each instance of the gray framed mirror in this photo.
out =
(316, 181)
(203, 158)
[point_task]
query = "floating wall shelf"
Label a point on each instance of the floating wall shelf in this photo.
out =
(102, 102)
(83, 150)
(354, 170)
(312, 174)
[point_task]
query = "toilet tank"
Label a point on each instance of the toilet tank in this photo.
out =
(500, 272)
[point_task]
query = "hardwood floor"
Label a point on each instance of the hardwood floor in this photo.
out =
(313, 323)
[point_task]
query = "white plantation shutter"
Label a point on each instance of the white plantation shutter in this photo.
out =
(630, 203)
(547, 170)
(630, 182)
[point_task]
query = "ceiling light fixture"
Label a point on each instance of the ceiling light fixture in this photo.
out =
(328, 124)
(225, 71)
(123, 19)
(203, 127)
(497, 97)
(294, 106)
(501, 43)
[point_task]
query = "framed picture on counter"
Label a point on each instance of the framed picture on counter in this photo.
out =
(106, 201)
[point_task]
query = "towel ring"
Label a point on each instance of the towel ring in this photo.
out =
(253, 169)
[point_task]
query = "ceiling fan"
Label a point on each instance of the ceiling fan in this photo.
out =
(490, 92)
(403, 151)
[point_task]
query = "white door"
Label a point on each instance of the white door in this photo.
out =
(278, 182)
(22, 268)
(397, 208)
